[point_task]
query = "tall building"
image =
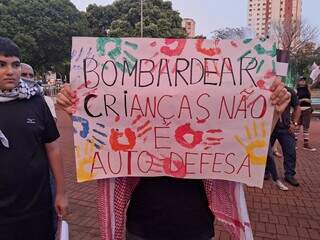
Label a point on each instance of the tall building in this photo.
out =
(190, 25)
(263, 13)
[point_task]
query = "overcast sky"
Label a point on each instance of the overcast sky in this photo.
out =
(213, 14)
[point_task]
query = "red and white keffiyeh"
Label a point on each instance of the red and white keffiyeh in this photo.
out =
(226, 201)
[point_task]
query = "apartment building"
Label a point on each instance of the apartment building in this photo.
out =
(263, 13)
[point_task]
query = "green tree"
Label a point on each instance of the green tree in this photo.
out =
(122, 19)
(43, 30)
(297, 38)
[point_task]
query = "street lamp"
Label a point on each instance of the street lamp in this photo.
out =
(141, 14)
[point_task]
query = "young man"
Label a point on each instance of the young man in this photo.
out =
(167, 208)
(284, 133)
(28, 147)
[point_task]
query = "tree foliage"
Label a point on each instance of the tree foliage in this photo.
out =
(297, 38)
(122, 19)
(293, 37)
(43, 30)
(304, 58)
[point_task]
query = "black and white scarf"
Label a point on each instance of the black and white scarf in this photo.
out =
(24, 90)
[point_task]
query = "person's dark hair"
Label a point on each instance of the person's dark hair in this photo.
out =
(8, 48)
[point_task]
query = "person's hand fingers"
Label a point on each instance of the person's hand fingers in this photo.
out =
(65, 211)
(58, 211)
(277, 88)
(284, 97)
(63, 100)
(69, 109)
(61, 207)
(276, 81)
(69, 93)
(281, 105)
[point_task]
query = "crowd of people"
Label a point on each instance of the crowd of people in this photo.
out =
(32, 188)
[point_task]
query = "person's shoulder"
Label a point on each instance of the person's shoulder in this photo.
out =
(291, 91)
(37, 100)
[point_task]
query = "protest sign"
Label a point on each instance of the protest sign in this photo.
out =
(191, 108)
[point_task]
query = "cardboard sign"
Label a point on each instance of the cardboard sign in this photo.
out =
(183, 108)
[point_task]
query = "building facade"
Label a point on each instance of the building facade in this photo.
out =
(263, 13)
(190, 25)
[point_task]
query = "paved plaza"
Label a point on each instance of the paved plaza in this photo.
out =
(274, 214)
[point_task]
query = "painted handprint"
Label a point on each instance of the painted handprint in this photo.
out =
(168, 165)
(254, 142)
(207, 138)
(97, 134)
(126, 140)
(85, 158)
(121, 51)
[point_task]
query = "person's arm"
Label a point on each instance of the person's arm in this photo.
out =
(296, 114)
(55, 161)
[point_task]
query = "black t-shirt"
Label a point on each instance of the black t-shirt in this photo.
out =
(303, 92)
(168, 208)
(284, 121)
(24, 167)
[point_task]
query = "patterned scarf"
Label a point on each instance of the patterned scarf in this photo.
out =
(24, 90)
(226, 201)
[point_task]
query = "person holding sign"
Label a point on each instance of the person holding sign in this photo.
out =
(28, 148)
(169, 208)
(284, 133)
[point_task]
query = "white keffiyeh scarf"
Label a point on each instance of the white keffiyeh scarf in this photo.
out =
(24, 90)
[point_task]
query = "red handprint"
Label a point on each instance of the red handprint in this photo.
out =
(114, 140)
(181, 43)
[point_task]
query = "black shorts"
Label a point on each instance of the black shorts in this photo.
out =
(37, 227)
(305, 118)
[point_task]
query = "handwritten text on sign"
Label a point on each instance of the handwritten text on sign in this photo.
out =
(172, 107)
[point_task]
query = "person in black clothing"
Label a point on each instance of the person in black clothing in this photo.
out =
(28, 147)
(164, 208)
(304, 96)
(284, 133)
